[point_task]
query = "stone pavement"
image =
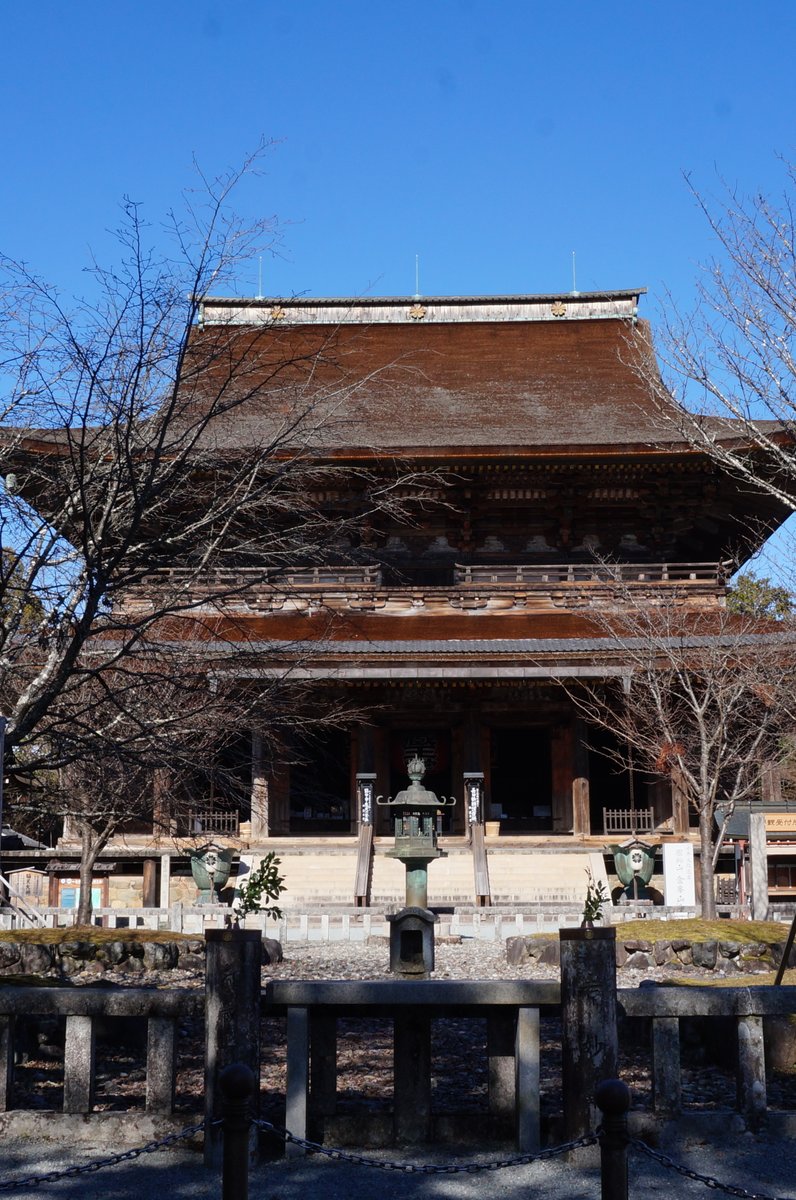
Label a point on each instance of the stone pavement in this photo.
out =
(757, 1164)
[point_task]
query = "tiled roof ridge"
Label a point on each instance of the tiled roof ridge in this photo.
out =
(304, 301)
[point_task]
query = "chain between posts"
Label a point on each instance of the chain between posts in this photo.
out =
(472, 1168)
(98, 1164)
(708, 1180)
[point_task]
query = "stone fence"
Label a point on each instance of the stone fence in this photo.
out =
(233, 1003)
(356, 924)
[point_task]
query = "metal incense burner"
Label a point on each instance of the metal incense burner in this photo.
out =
(417, 812)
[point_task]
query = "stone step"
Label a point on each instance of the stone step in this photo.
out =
(515, 877)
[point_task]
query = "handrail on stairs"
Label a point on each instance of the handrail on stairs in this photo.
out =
(364, 866)
(483, 895)
(24, 909)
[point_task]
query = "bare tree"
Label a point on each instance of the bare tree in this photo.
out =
(731, 364)
(151, 467)
(706, 702)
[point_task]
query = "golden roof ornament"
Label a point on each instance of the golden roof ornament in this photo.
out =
(277, 313)
(559, 309)
(417, 312)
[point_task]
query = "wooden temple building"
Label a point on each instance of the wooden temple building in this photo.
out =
(452, 632)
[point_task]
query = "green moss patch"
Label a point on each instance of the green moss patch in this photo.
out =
(94, 935)
(697, 930)
(693, 930)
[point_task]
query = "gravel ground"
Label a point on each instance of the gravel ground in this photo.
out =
(759, 1164)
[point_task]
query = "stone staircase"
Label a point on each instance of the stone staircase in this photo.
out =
(323, 877)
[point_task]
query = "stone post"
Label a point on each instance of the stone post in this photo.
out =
(759, 864)
(412, 1075)
(232, 1019)
(165, 880)
(79, 1054)
(589, 1039)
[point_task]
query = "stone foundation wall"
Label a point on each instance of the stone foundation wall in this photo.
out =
(638, 954)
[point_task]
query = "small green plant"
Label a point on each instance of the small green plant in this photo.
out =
(596, 897)
(264, 884)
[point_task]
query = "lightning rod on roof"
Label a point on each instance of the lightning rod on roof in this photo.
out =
(574, 281)
(259, 295)
(417, 277)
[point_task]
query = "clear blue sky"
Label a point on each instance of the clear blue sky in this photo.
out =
(492, 139)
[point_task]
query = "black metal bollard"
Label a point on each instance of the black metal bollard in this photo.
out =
(237, 1089)
(613, 1100)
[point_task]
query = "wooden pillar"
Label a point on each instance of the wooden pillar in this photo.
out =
(458, 815)
(472, 750)
(363, 762)
(149, 886)
(562, 756)
(259, 789)
(279, 801)
(381, 749)
(581, 814)
(589, 1039)
(680, 822)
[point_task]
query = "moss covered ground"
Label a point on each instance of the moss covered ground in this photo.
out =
(697, 930)
(93, 934)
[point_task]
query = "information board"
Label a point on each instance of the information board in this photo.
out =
(678, 874)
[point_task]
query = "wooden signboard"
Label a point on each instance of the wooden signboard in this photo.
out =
(780, 822)
(31, 885)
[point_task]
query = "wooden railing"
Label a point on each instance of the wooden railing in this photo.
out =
(544, 574)
(628, 820)
(243, 581)
(213, 820)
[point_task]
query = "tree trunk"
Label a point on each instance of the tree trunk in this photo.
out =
(706, 873)
(90, 847)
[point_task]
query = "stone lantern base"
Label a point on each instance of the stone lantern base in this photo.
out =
(412, 941)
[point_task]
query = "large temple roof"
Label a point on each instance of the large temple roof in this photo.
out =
(523, 375)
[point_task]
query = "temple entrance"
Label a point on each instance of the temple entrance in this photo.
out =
(521, 784)
(320, 785)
